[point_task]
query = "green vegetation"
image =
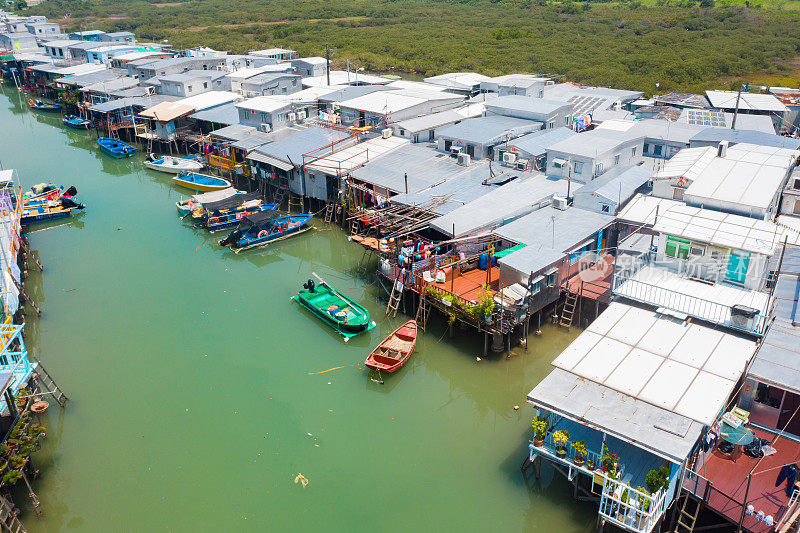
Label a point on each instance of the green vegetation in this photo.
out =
(680, 44)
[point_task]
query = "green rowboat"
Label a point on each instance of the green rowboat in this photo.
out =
(338, 311)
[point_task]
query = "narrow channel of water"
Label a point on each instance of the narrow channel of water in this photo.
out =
(192, 406)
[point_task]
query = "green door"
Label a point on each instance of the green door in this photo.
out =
(738, 262)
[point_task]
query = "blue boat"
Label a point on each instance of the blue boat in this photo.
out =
(39, 105)
(77, 123)
(264, 227)
(200, 182)
(218, 218)
(115, 147)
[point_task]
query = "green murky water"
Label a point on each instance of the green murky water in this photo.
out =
(192, 407)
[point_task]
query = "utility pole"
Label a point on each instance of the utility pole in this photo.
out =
(736, 110)
(328, 63)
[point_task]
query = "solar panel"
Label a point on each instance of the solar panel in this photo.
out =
(704, 117)
(585, 104)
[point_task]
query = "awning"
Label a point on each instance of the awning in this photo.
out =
(269, 160)
(559, 163)
(7, 57)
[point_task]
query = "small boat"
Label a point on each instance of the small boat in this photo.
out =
(60, 208)
(228, 213)
(264, 227)
(39, 105)
(50, 196)
(173, 165)
(200, 182)
(42, 191)
(77, 123)
(395, 349)
(338, 311)
(115, 147)
(195, 203)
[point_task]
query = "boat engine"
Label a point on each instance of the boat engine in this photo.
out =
(69, 193)
(309, 285)
(67, 203)
(232, 239)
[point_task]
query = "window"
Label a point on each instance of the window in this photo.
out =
(536, 287)
(219, 83)
(604, 208)
(205, 85)
(189, 88)
(416, 137)
(633, 152)
(677, 247)
(430, 135)
(294, 83)
(402, 132)
(566, 121)
(797, 183)
(677, 193)
(657, 149)
(646, 148)
(616, 159)
(598, 169)
(577, 166)
(550, 277)
(550, 125)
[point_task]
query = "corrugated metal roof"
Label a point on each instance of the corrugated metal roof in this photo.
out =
(224, 114)
(424, 166)
(747, 101)
(459, 190)
(538, 142)
(595, 143)
(715, 135)
(427, 122)
(549, 233)
(291, 148)
(505, 104)
(489, 129)
(501, 205)
(778, 359)
(617, 184)
(134, 101)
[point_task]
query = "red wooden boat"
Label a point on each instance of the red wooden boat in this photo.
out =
(395, 349)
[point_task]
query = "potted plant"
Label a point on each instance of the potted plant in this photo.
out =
(656, 480)
(16, 461)
(561, 437)
(580, 452)
(447, 300)
(644, 501)
(540, 426)
(590, 466)
(610, 462)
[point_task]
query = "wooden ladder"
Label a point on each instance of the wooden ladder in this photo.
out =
(686, 519)
(354, 226)
(365, 258)
(25, 296)
(26, 246)
(330, 209)
(8, 519)
(395, 297)
(568, 311)
(280, 195)
(423, 311)
(49, 384)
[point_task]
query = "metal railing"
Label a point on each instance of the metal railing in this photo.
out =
(620, 504)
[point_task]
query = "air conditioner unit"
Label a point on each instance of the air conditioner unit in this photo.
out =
(386, 133)
(266, 128)
(559, 202)
(291, 117)
(509, 158)
(301, 115)
(464, 160)
(455, 150)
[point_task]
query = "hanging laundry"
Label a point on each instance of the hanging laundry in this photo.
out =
(789, 473)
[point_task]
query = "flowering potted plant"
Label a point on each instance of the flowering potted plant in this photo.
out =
(561, 437)
(580, 452)
(610, 462)
(540, 426)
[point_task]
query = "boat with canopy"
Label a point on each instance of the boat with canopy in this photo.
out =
(264, 227)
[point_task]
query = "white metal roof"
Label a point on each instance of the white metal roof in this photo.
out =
(747, 101)
(83, 68)
(749, 175)
(209, 99)
(684, 368)
(385, 102)
(265, 104)
(721, 229)
(642, 209)
(342, 77)
(458, 80)
(345, 160)
(688, 163)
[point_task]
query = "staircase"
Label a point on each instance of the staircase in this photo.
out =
(8, 519)
(49, 384)
(568, 310)
(686, 519)
(330, 209)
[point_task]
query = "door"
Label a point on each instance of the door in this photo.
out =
(738, 262)
(791, 403)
